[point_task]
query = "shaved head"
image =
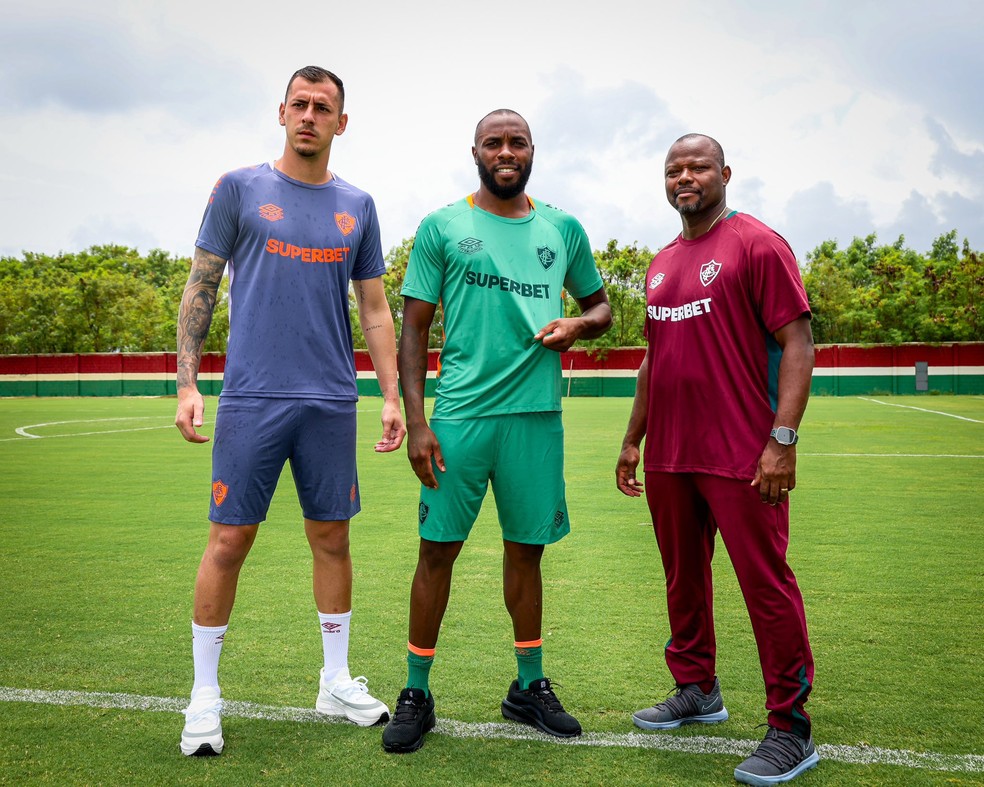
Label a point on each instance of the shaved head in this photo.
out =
(496, 113)
(718, 150)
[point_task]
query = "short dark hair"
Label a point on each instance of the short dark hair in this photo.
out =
(318, 74)
(718, 150)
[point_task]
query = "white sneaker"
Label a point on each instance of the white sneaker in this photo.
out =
(350, 698)
(202, 733)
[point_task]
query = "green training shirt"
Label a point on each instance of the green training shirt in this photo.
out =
(499, 281)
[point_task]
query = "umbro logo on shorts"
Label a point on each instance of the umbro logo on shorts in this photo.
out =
(559, 519)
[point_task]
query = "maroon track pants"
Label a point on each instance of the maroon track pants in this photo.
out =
(688, 509)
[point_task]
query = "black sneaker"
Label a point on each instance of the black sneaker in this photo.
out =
(539, 707)
(412, 718)
(780, 757)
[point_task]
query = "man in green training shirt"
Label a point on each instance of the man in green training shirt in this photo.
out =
(498, 262)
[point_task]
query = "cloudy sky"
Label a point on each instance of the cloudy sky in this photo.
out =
(838, 118)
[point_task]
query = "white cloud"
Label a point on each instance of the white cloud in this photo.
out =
(837, 120)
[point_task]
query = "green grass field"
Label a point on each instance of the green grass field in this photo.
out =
(103, 521)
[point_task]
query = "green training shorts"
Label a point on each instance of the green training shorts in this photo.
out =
(522, 454)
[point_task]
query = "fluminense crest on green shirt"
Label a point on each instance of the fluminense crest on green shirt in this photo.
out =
(547, 256)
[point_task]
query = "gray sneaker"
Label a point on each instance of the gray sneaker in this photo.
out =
(688, 706)
(780, 757)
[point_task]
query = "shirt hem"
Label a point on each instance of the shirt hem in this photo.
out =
(722, 472)
(463, 416)
(290, 395)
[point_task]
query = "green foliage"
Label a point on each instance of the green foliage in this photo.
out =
(891, 294)
(104, 299)
(623, 270)
(111, 299)
(396, 269)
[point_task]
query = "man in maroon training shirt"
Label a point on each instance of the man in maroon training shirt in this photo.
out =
(719, 398)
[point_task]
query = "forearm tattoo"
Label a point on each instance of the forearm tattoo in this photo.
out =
(195, 315)
(360, 298)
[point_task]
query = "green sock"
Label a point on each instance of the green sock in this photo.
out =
(418, 672)
(530, 661)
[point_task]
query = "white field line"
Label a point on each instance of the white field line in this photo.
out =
(695, 744)
(898, 456)
(920, 409)
(26, 433)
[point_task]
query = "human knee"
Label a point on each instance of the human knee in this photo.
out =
(438, 555)
(522, 556)
(229, 545)
(330, 539)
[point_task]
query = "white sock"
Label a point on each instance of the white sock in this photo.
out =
(206, 647)
(335, 639)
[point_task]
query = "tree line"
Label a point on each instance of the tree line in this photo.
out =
(111, 299)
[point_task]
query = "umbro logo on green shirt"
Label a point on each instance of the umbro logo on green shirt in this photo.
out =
(469, 245)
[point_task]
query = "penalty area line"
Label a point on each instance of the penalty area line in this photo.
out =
(920, 409)
(693, 744)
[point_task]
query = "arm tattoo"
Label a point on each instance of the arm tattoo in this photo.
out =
(195, 315)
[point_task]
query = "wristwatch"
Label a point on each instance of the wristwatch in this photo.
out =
(784, 435)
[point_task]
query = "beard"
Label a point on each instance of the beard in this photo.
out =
(690, 207)
(508, 191)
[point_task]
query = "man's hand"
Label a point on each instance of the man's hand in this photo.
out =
(625, 471)
(191, 414)
(559, 335)
(393, 429)
(424, 451)
(775, 475)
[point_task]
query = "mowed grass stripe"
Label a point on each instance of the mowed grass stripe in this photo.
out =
(692, 744)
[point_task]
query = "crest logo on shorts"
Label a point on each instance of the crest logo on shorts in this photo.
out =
(422, 512)
(559, 519)
(470, 246)
(547, 256)
(345, 223)
(656, 280)
(219, 492)
(709, 271)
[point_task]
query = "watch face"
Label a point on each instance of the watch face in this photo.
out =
(785, 436)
